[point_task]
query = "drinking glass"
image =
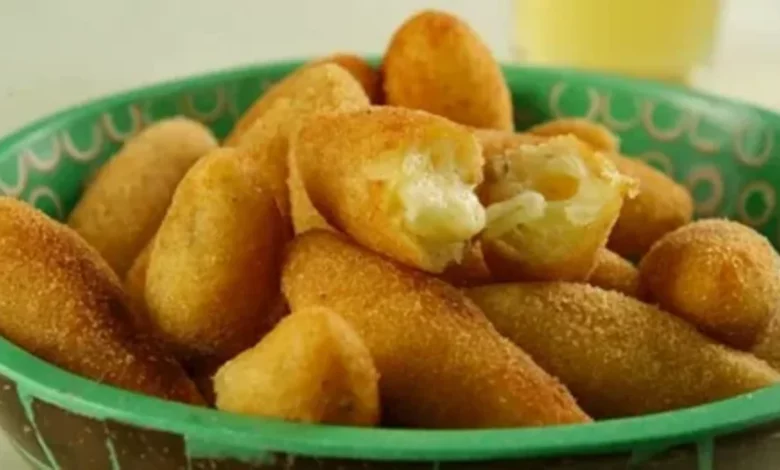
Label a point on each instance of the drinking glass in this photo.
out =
(656, 39)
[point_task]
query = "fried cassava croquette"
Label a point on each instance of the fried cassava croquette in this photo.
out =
(550, 208)
(441, 363)
(369, 77)
(722, 276)
(612, 272)
(322, 88)
(617, 355)
(312, 367)
(302, 80)
(399, 181)
(303, 215)
(61, 301)
(598, 137)
(213, 274)
(122, 207)
(437, 63)
(135, 288)
(496, 143)
(660, 206)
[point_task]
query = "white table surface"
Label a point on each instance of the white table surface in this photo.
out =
(57, 54)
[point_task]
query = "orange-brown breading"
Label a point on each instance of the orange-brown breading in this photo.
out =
(612, 272)
(721, 276)
(496, 144)
(441, 363)
(316, 89)
(399, 181)
(61, 302)
(213, 274)
(550, 207)
(660, 206)
(437, 63)
(304, 216)
(369, 77)
(597, 136)
(312, 367)
(123, 205)
(323, 82)
(135, 288)
(619, 356)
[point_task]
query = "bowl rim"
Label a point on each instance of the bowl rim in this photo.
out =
(211, 432)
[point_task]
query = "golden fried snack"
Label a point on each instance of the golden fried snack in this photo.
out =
(368, 76)
(399, 181)
(61, 302)
(550, 208)
(121, 209)
(441, 363)
(213, 271)
(437, 63)
(315, 89)
(497, 143)
(135, 288)
(660, 206)
(304, 216)
(721, 276)
(617, 355)
(597, 136)
(301, 81)
(612, 272)
(313, 368)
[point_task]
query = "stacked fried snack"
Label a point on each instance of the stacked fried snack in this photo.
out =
(385, 249)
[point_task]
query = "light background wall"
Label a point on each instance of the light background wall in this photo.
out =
(56, 53)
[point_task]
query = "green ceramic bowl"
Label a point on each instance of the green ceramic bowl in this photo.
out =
(723, 151)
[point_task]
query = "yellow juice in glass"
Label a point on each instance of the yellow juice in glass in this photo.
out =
(657, 39)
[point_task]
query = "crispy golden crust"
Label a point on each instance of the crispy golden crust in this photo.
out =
(720, 275)
(660, 206)
(135, 288)
(368, 76)
(62, 303)
(344, 157)
(437, 63)
(612, 272)
(304, 216)
(314, 89)
(441, 364)
(619, 356)
(497, 144)
(597, 136)
(121, 209)
(213, 271)
(313, 367)
(554, 245)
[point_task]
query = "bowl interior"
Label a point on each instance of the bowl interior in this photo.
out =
(724, 152)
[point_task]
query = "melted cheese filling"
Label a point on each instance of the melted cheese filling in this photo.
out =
(433, 204)
(440, 208)
(552, 182)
